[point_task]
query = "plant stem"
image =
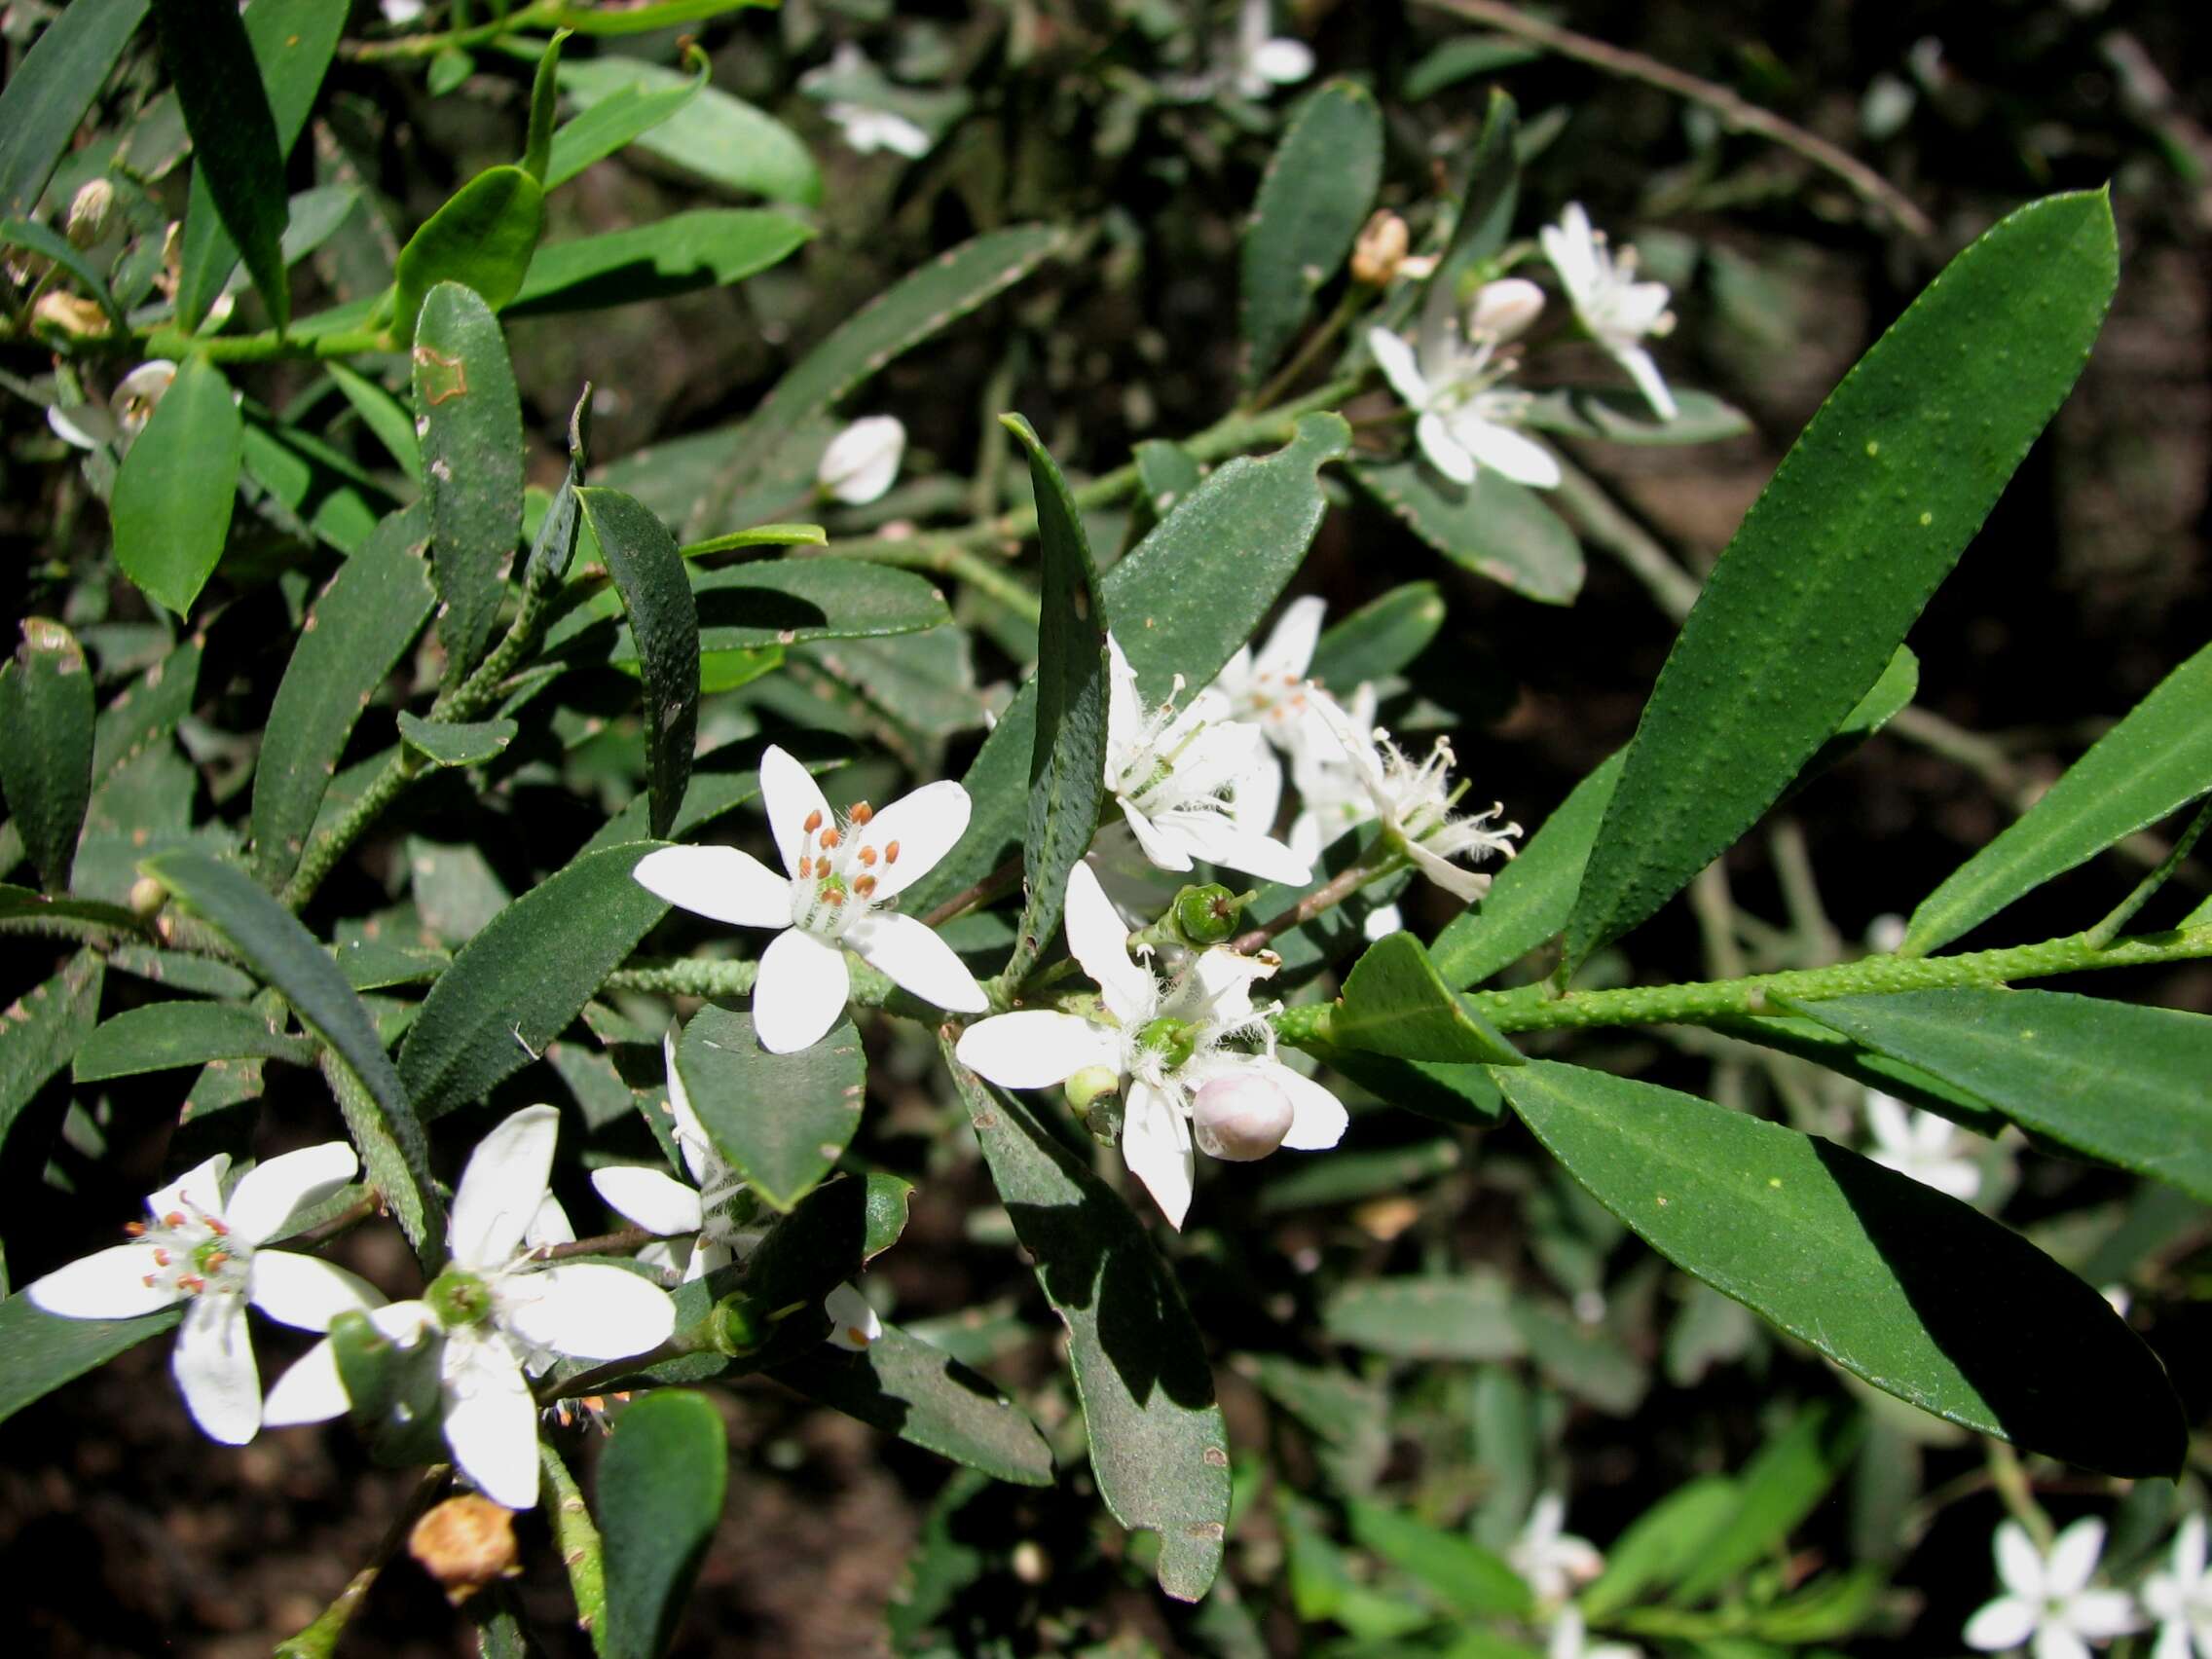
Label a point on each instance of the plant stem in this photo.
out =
(2104, 930)
(1357, 297)
(601, 1244)
(544, 14)
(1002, 880)
(578, 1542)
(264, 348)
(319, 1640)
(687, 979)
(2011, 1479)
(1330, 893)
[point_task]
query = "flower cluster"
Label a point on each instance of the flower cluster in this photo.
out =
(2049, 1606)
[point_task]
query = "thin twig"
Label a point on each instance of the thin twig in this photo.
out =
(1001, 881)
(1327, 896)
(320, 1638)
(602, 1245)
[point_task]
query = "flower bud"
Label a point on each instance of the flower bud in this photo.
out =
(465, 1543)
(1381, 249)
(1505, 308)
(138, 391)
(1206, 916)
(71, 314)
(1241, 1118)
(147, 896)
(735, 1326)
(863, 460)
(88, 212)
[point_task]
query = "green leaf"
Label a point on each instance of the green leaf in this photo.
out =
(175, 489)
(783, 1120)
(40, 1030)
(164, 1035)
(468, 416)
(1067, 757)
(619, 119)
(903, 1386)
(1809, 1040)
(392, 1392)
(310, 488)
(147, 711)
(54, 85)
(777, 601)
(484, 238)
(1488, 190)
(353, 636)
(1165, 475)
(1378, 639)
(1315, 194)
(714, 137)
(468, 744)
(1183, 599)
(40, 1351)
(544, 102)
(515, 986)
(650, 576)
(292, 42)
(1493, 527)
(1899, 683)
(1617, 416)
(2156, 760)
(1467, 1317)
(1661, 1544)
(385, 416)
(1915, 1292)
(1585, 1361)
(46, 745)
(704, 248)
(1393, 1003)
(1345, 1176)
(234, 138)
(1793, 1473)
(1449, 1094)
(660, 1493)
(1865, 516)
(284, 954)
(1159, 1447)
(373, 965)
(2120, 1082)
(1465, 1576)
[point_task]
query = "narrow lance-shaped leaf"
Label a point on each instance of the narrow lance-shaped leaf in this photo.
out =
(706, 247)
(619, 119)
(1918, 1294)
(1865, 516)
(1315, 194)
(1793, 1473)
(650, 576)
(783, 1120)
(713, 135)
(46, 745)
(445, 742)
(40, 1351)
(469, 416)
(174, 491)
(544, 107)
(1067, 759)
(53, 88)
(660, 1493)
(484, 238)
(166, 1034)
(1378, 639)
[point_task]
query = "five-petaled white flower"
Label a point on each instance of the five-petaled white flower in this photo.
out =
(1414, 802)
(206, 1251)
(841, 873)
(1163, 1041)
(502, 1316)
(1553, 1562)
(2180, 1598)
(862, 461)
(1619, 311)
(1177, 776)
(88, 426)
(1571, 1639)
(1450, 379)
(1265, 60)
(2047, 1598)
(1919, 1144)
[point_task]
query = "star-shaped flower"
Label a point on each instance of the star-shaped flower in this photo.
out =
(1550, 1560)
(1450, 378)
(2180, 1598)
(1414, 799)
(206, 1251)
(2047, 1601)
(842, 874)
(1619, 311)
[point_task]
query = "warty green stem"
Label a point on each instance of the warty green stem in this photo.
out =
(578, 1542)
(265, 348)
(319, 1640)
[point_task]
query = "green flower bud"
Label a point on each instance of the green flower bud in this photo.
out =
(736, 1328)
(1206, 916)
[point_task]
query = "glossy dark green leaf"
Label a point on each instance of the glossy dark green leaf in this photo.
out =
(174, 491)
(41, 1030)
(1780, 1487)
(235, 140)
(373, 965)
(164, 1035)
(1810, 1040)
(1378, 639)
(515, 986)
(653, 581)
(1493, 527)
(1615, 415)
(1067, 757)
(660, 1493)
(468, 416)
(1159, 1447)
(783, 1120)
(1865, 516)
(483, 238)
(1461, 1094)
(40, 1351)
(1182, 601)
(46, 745)
(2120, 1082)
(1467, 1578)
(1920, 1295)
(778, 601)
(53, 86)
(620, 118)
(704, 248)
(2155, 761)
(445, 743)
(714, 137)
(1316, 193)
(1393, 1003)
(353, 636)
(1464, 1316)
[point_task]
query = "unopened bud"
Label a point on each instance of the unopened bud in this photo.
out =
(1087, 1086)
(88, 212)
(1505, 308)
(1206, 916)
(147, 896)
(862, 461)
(465, 1543)
(1241, 1118)
(736, 1327)
(1381, 249)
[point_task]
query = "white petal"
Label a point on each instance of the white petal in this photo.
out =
(926, 825)
(2073, 1558)
(720, 883)
(1319, 1118)
(1381, 923)
(649, 1199)
(1505, 308)
(1258, 801)
(214, 1364)
(1395, 359)
(1646, 373)
(501, 1188)
(107, 1284)
(917, 960)
(1283, 60)
(1505, 451)
(1462, 883)
(2004, 1623)
(1572, 249)
(306, 1291)
(1161, 840)
(2174, 1643)
(789, 797)
(270, 1194)
(82, 426)
(1218, 840)
(312, 1391)
(863, 460)
(2019, 1564)
(2100, 1615)
(1961, 1180)
(1289, 650)
(1637, 308)
(1434, 435)
(1099, 941)
(548, 1225)
(198, 1188)
(2056, 1642)
(691, 1135)
(588, 1310)
(1125, 706)
(1889, 1119)
(853, 1323)
(491, 1422)
(1035, 1048)
(1155, 1145)
(800, 992)
(2189, 1540)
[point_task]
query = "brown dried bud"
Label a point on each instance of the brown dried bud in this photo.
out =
(465, 1543)
(1382, 248)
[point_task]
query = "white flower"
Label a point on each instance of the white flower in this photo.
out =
(1186, 782)
(1617, 310)
(1163, 1041)
(1571, 1641)
(866, 126)
(501, 1316)
(869, 130)
(2047, 1598)
(1451, 380)
(1415, 804)
(841, 873)
(1332, 796)
(1264, 62)
(2180, 1598)
(863, 460)
(205, 1251)
(1270, 688)
(1551, 1561)
(400, 13)
(1919, 1144)
(88, 426)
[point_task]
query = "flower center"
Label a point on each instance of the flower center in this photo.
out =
(459, 1299)
(1173, 1039)
(195, 1254)
(837, 872)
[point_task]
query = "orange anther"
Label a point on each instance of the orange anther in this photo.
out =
(161, 1258)
(217, 1258)
(813, 821)
(865, 886)
(137, 1229)
(192, 1284)
(834, 898)
(867, 855)
(217, 1227)
(891, 854)
(829, 838)
(862, 812)
(175, 1218)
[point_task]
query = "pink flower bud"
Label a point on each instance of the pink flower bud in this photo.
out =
(1241, 1118)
